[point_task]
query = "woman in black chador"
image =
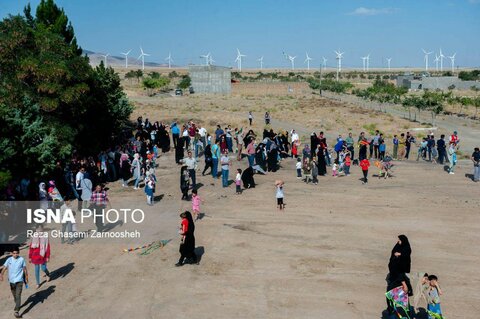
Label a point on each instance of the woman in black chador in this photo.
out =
(187, 244)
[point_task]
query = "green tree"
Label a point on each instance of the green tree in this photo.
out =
(51, 100)
(185, 82)
(151, 84)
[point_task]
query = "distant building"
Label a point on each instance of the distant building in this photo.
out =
(433, 83)
(210, 79)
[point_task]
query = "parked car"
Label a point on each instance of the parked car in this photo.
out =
(178, 92)
(191, 90)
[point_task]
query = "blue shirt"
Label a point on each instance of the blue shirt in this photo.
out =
(215, 151)
(175, 129)
(15, 269)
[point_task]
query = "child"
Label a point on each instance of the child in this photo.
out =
(279, 194)
(434, 155)
(307, 170)
(196, 204)
(433, 298)
(382, 148)
(298, 165)
(149, 188)
(365, 164)
(348, 163)
(334, 169)
(238, 181)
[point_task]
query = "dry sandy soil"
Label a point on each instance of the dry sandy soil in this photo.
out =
(325, 256)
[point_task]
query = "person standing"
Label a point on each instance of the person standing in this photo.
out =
(39, 253)
(250, 117)
(203, 136)
(99, 200)
(350, 145)
(441, 148)
(17, 275)
(215, 158)
(225, 162)
(136, 169)
(208, 159)
(452, 158)
(476, 164)
(395, 146)
(454, 139)
(239, 139)
(267, 118)
(187, 243)
(430, 146)
(376, 144)
(78, 186)
(402, 142)
(191, 163)
(279, 194)
(365, 164)
(251, 152)
(408, 143)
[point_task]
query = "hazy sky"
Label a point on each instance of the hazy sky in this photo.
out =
(189, 28)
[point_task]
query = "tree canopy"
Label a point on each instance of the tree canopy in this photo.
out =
(51, 100)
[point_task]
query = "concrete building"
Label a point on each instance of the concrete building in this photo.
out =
(433, 83)
(210, 79)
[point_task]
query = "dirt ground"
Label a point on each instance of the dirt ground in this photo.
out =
(325, 256)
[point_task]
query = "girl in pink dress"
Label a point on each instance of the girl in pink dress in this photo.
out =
(196, 204)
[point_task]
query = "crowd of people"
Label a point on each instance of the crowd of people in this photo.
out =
(84, 178)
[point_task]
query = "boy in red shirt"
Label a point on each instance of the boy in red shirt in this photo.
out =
(365, 164)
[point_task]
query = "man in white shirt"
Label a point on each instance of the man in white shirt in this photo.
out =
(203, 134)
(294, 136)
(78, 185)
(191, 163)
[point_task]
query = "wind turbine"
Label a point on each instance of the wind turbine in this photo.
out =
(339, 58)
(441, 56)
(452, 58)
(292, 59)
(126, 57)
(426, 59)
(206, 57)
(105, 58)
(364, 58)
(308, 59)
(368, 61)
(261, 62)
(324, 63)
(388, 62)
(210, 60)
(142, 56)
(169, 59)
(239, 60)
(437, 58)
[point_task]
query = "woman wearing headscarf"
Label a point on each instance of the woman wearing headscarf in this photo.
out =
(184, 182)
(43, 195)
(398, 266)
(321, 164)
(247, 178)
(208, 159)
(39, 253)
(313, 142)
(179, 153)
(260, 156)
(400, 257)
(272, 158)
(124, 169)
(136, 169)
(187, 244)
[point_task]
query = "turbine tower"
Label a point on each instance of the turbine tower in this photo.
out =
(142, 56)
(239, 60)
(441, 56)
(324, 63)
(292, 59)
(364, 59)
(452, 59)
(307, 60)
(126, 57)
(105, 58)
(368, 61)
(169, 59)
(339, 59)
(426, 59)
(437, 58)
(261, 62)
(206, 57)
(388, 62)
